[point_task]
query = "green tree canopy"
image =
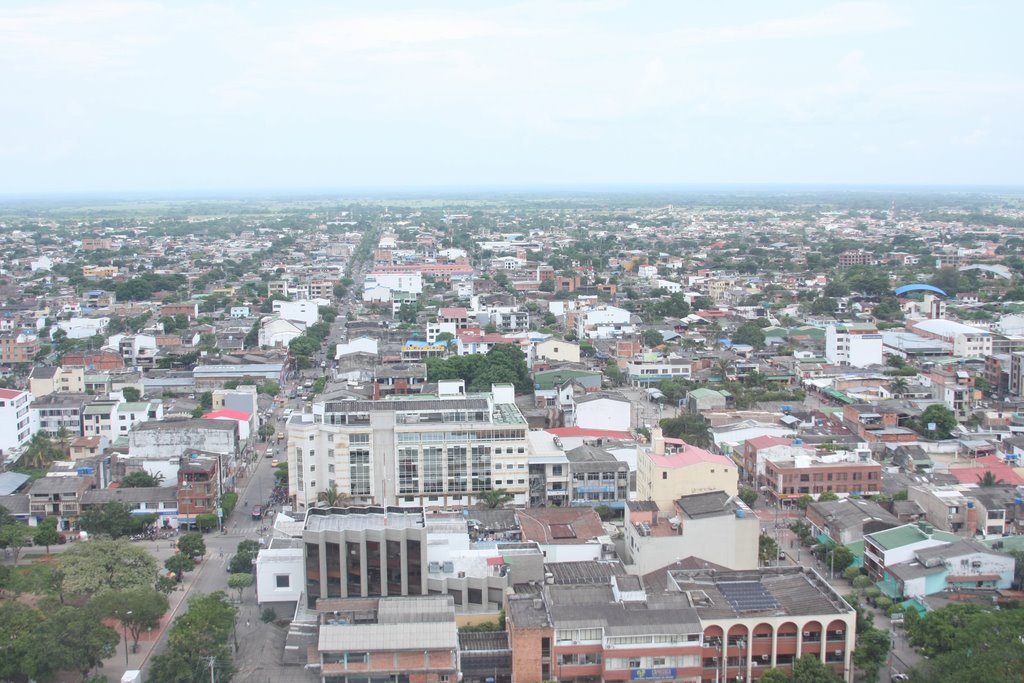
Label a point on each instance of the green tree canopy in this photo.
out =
(106, 564)
(136, 609)
(141, 479)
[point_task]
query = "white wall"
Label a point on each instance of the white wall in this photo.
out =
(271, 563)
(604, 414)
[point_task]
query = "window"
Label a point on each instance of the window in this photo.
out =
(664, 475)
(282, 581)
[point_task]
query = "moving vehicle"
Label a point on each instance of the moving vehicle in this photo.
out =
(257, 512)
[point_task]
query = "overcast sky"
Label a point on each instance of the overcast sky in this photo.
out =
(181, 96)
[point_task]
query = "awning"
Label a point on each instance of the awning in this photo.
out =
(824, 539)
(495, 561)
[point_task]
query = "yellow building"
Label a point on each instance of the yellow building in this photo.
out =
(673, 468)
(99, 271)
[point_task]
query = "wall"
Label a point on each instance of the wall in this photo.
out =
(725, 540)
(272, 562)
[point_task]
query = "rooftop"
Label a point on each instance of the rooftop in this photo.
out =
(339, 519)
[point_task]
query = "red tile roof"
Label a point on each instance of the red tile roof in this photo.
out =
(560, 525)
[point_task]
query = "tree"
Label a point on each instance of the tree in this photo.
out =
(206, 521)
(966, 642)
(106, 564)
(803, 501)
(827, 497)
(495, 498)
(141, 479)
(652, 338)
(196, 637)
(192, 545)
(112, 519)
(84, 640)
(240, 582)
(265, 431)
(749, 333)
(131, 394)
(899, 386)
(767, 549)
(809, 669)
(332, 497)
(137, 609)
(15, 537)
(839, 557)
(693, 429)
(178, 565)
(989, 479)
(775, 676)
(748, 495)
(46, 534)
(41, 451)
(242, 561)
(940, 416)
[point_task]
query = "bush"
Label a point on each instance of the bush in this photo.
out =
(268, 615)
(228, 502)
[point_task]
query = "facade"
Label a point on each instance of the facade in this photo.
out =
(856, 344)
(604, 410)
(962, 564)
(604, 322)
(407, 640)
(416, 451)
(714, 527)
(305, 311)
(795, 475)
(693, 626)
(967, 341)
(168, 438)
(200, 485)
(58, 411)
(597, 477)
(558, 350)
(18, 422)
(60, 497)
(18, 348)
(647, 372)
(668, 471)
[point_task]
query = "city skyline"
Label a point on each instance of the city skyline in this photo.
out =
(128, 97)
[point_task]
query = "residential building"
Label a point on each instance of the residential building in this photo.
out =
(696, 625)
(604, 322)
(672, 468)
(855, 344)
(189, 309)
(893, 546)
(848, 520)
(417, 451)
(158, 439)
(603, 410)
(566, 534)
(18, 422)
(275, 331)
(646, 372)
(967, 341)
(704, 400)
(18, 348)
(200, 485)
(161, 501)
(597, 477)
(56, 411)
(60, 497)
(306, 311)
(843, 472)
(558, 350)
(715, 527)
(412, 640)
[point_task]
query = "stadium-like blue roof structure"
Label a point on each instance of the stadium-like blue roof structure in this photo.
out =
(900, 291)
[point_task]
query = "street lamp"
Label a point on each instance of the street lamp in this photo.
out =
(124, 625)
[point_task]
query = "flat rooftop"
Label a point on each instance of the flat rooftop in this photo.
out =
(339, 519)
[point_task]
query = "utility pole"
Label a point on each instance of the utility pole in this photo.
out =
(212, 660)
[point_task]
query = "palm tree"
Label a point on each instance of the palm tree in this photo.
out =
(899, 386)
(40, 452)
(495, 498)
(989, 479)
(724, 366)
(332, 497)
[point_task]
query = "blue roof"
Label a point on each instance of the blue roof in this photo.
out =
(900, 291)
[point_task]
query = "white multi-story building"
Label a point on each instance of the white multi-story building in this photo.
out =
(396, 282)
(440, 451)
(604, 322)
(16, 419)
(856, 344)
(306, 311)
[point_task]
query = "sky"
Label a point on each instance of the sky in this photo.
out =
(182, 96)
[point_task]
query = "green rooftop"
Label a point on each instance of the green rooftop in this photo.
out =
(909, 534)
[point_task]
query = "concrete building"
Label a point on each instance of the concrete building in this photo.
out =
(307, 311)
(200, 485)
(437, 452)
(845, 472)
(18, 422)
(399, 640)
(18, 348)
(604, 322)
(275, 331)
(714, 527)
(57, 411)
(967, 341)
(43, 381)
(566, 534)
(848, 520)
(645, 372)
(673, 468)
(603, 410)
(558, 350)
(169, 438)
(693, 625)
(597, 477)
(856, 344)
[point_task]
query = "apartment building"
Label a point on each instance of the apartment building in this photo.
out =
(417, 451)
(200, 485)
(647, 372)
(693, 625)
(673, 468)
(967, 341)
(855, 344)
(598, 477)
(844, 472)
(18, 348)
(57, 411)
(16, 419)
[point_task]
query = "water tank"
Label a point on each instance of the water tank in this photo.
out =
(1018, 500)
(740, 514)
(798, 441)
(970, 505)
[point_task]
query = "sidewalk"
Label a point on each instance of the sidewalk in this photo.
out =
(114, 667)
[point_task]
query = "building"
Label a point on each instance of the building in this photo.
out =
(892, 546)
(793, 475)
(694, 625)
(646, 372)
(603, 410)
(855, 344)
(604, 322)
(18, 348)
(848, 520)
(714, 527)
(276, 331)
(597, 477)
(566, 534)
(558, 350)
(189, 309)
(57, 411)
(161, 501)
(856, 257)
(967, 341)
(60, 497)
(169, 438)
(672, 468)
(200, 486)
(417, 451)
(407, 640)
(18, 422)
(306, 311)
